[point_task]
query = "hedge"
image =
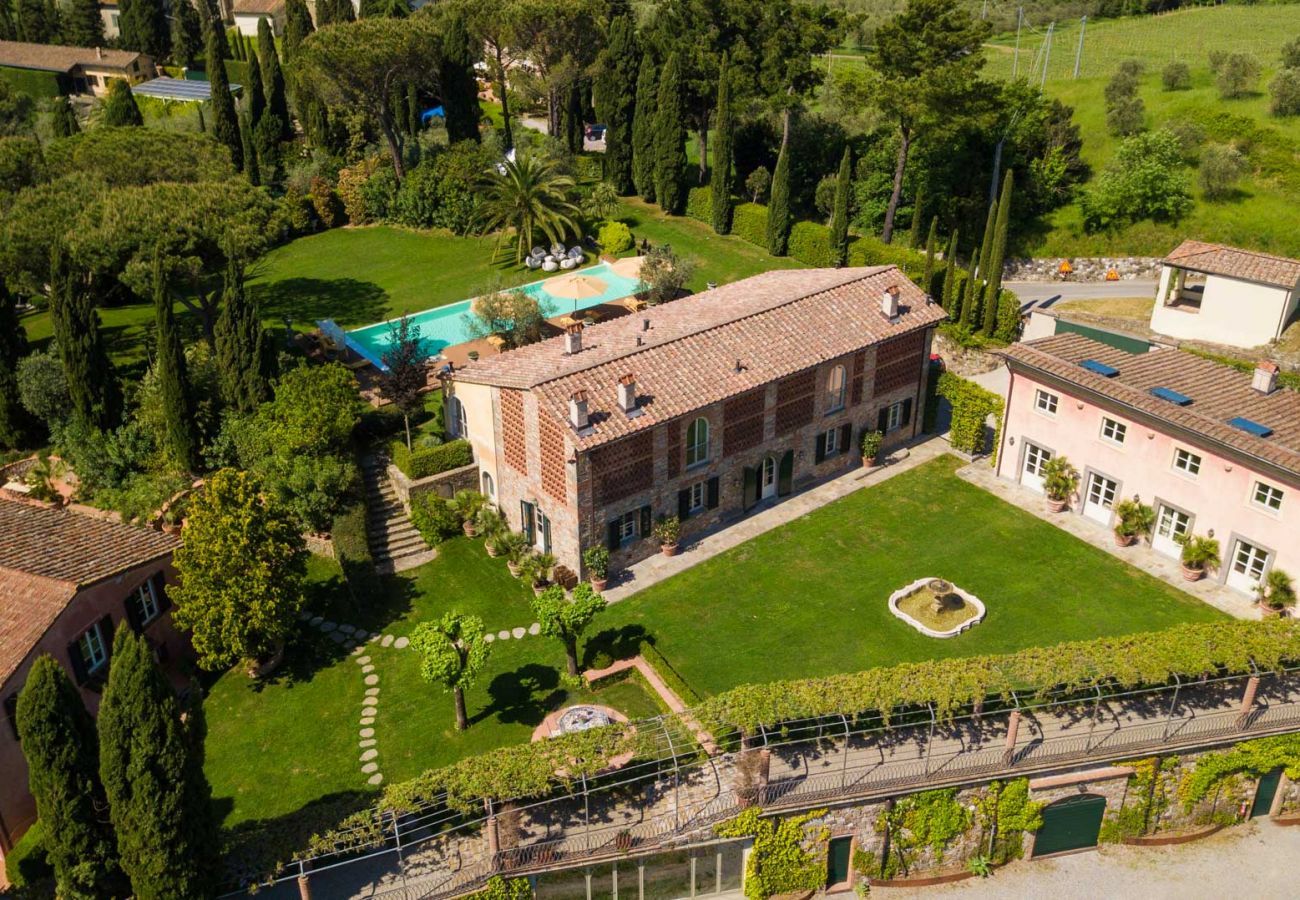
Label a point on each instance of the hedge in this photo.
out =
(426, 461)
(749, 222)
(811, 243)
(657, 661)
(870, 251)
(35, 84)
(352, 549)
(971, 406)
(699, 204)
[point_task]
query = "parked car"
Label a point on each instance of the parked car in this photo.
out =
(595, 132)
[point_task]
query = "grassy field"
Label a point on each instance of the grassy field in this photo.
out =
(809, 598)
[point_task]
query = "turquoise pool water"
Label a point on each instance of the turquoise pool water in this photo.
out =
(446, 326)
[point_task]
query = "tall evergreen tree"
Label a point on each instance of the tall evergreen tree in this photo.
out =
(142, 26)
(251, 170)
(244, 361)
(950, 276)
(615, 93)
(720, 181)
(277, 102)
(213, 29)
(981, 261)
(225, 123)
(393, 9)
(8, 30)
(456, 78)
(840, 210)
(997, 257)
(254, 93)
(643, 128)
(297, 25)
(927, 279)
(33, 23)
(17, 426)
(778, 206)
(670, 138)
(119, 109)
(82, 24)
(58, 740)
(63, 119)
(181, 438)
(92, 383)
(157, 804)
(572, 119)
(186, 34)
(970, 296)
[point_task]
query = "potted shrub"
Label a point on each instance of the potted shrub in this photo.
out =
(467, 505)
(1276, 594)
(1199, 553)
(668, 530)
(596, 559)
(1133, 520)
(871, 442)
(515, 547)
(492, 525)
(543, 563)
(1060, 480)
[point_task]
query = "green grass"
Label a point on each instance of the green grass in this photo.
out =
(810, 598)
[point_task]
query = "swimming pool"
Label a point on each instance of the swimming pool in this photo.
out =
(446, 326)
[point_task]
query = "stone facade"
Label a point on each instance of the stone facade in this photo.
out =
(444, 484)
(1084, 269)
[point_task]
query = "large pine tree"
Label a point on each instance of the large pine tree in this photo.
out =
(181, 439)
(186, 34)
(720, 183)
(840, 210)
(92, 383)
(243, 357)
(277, 101)
(82, 24)
(457, 80)
(615, 97)
(778, 207)
(996, 258)
(143, 27)
(58, 740)
(17, 425)
(158, 805)
(670, 138)
(225, 122)
(643, 129)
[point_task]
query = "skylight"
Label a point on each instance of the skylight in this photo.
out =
(1171, 396)
(1250, 427)
(1099, 368)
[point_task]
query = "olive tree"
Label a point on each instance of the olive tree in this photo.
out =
(566, 619)
(453, 653)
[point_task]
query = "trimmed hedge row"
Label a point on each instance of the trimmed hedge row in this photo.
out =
(971, 407)
(749, 223)
(426, 461)
(699, 204)
(657, 661)
(811, 243)
(28, 864)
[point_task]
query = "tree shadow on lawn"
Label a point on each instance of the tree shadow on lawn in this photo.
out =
(523, 696)
(346, 300)
(617, 643)
(369, 601)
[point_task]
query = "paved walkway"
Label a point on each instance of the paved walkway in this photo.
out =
(1081, 290)
(659, 567)
(1156, 564)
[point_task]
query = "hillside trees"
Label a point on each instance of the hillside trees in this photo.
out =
(643, 129)
(17, 426)
(669, 138)
(92, 384)
(614, 93)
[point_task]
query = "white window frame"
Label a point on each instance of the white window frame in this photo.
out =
(629, 526)
(1118, 431)
(462, 420)
(699, 497)
(836, 389)
(894, 418)
(93, 651)
(1255, 557)
(1269, 492)
(831, 443)
(1187, 463)
(697, 450)
(1045, 402)
(147, 605)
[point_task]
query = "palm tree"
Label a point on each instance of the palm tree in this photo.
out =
(529, 195)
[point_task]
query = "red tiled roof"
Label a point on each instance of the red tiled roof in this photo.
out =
(29, 604)
(773, 324)
(1216, 259)
(258, 7)
(51, 58)
(1218, 392)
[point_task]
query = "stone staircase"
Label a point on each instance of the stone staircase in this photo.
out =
(395, 545)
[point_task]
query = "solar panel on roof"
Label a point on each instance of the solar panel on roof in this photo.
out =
(165, 88)
(1250, 427)
(1171, 395)
(1099, 368)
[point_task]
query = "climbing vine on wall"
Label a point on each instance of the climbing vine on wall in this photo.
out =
(1149, 795)
(780, 860)
(1006, 813)
(1257, 757)
(928, 820)
(971, 407)
(499, 888)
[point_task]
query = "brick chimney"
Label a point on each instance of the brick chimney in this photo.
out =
(1264, 379)
(578, 410)
(627, 393)
(889, 302)
(573, 339)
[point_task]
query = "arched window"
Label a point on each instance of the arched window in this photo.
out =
(489, 489)
(835, 389)
(697, 442)
(459, 420)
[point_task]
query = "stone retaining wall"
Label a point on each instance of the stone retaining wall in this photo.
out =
(444, 484)
(1085, 268)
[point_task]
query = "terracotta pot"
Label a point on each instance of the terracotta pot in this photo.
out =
(598, 584)
(469, 529)
(539, 586)
(1125, 540)
(1055, 506)
(668, 549)
(868, 462)
(1269, 612)
(1193, 574)
(513, 567)
(492, 551)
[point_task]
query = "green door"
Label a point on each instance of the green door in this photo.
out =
(1265, 793)
(837, 860)
(1070, 824)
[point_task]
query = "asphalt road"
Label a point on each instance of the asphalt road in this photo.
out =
(1081, 290)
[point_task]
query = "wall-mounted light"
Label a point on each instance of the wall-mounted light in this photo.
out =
(1079, 405)
(1228, 467)
(1210, 533)
(1151, 435)
(1011, 441)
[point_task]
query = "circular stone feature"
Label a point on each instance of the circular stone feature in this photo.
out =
(316, 621)
(387, 640)
(936, 608)
(519, 632)
(367, 732)
(367, 669)
(327, 627)
(368, 720)
(489, 638)
(361, 634)
(401, 642)
(363, 660)
(348, 629)
(372, 692)
(503, 634)
(368, 742)
(369, 755)
(369, 701)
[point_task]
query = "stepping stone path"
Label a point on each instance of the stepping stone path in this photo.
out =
(369, 706)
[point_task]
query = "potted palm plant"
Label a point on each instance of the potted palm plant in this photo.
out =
(1060, 480)
(1200, 552)
(515, 547)
(596, 560)
(1133, 520)
(543, 563)
(668, 531)
(871, 442)
(1276, 594)
(492, 525)
(467, 505)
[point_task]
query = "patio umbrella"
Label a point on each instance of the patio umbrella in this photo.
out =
(576, 287)
(630, 267)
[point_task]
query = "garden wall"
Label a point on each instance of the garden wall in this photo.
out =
(1084, 269)
(444, 484)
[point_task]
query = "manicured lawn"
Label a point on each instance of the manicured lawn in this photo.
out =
(810, 598)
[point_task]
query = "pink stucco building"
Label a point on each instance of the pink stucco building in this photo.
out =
(1213, 450)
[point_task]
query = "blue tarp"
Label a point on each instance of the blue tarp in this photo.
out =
(436, 113)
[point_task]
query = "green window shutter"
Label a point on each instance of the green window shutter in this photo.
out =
(159, 582)
(683, 504)
(907, 412)
(750, 495)
(106, 632)
(78, 661)
(882, 420)
(785, 474)
(132, 607)
(712, 489)
(820, 454)
(546, 533)
(846, 434)
(612, 539)
(647, 525)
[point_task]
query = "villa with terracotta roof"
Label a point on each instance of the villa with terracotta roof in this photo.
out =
(78, 70)
(1209, 292)
(1213, 450)
(704, 408)
(67, 582)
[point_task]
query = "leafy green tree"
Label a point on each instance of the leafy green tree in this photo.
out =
(840, 210)
(778, 209)
(37, 22)
(42, 386)
(121, 157)
(515, 316)
(643, 129)
(82, 24)
(243, 357)
(1146, 179)
(927, 277)
(186, 34)
(393, 9)
(1284, 93)
(297, 26)
(254, 92)
(119, 107)
(92, 383)
(981, 262)
(453, 654)
(950, 296)
(406, 379)
(277, 102)
(58, 739)
(1222, 166)
(615, 96)
(22, 165)
(670, 138)
(1235, 74)
(17, 111)
(241, 571)
(17, 427)
(496, 27)
(181, 438)
(456, 79)
(225, 121)
(157, 796)
(143, 27)
(530, 196)
(566, 619)
(993, 275)
(63, 119)
(721, 179)
(1176, 76)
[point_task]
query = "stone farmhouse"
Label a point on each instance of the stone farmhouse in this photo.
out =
(67, 582)
(1213, 450)
(704, 408)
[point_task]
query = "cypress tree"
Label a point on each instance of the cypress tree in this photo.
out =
(203, 126)
(981, 261)
(724, 134)
(213, 29)
(927, 283)
(173, 379)
(643, 129)
(82, 24)
(92, 383)
(254, 92)
(950, 276)
(840, 211)
(251, 169)
(277, 102)
(225, 124)
(119, 109)
(58, 740)
(8, 30)
(778, 206)
(146, 764)
(297, 25)
(33, 23)
(17, 425)
(186, 34)
(971, 296)
(615, 93)
(63, 119)
(670, 138)
(572, 117)
(142, 26)
(997, 257)
(243, 358)
(914, 236)
(457, 80)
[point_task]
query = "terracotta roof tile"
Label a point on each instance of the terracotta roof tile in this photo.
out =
(1218, 392)
(29, 604)
(51, 58)
(1216, 259)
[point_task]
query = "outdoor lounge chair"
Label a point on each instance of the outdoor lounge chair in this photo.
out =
(575, 252)
(533, 262)
(568, 263)
(557, 250)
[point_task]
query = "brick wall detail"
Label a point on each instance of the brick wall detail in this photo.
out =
(515, 440)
